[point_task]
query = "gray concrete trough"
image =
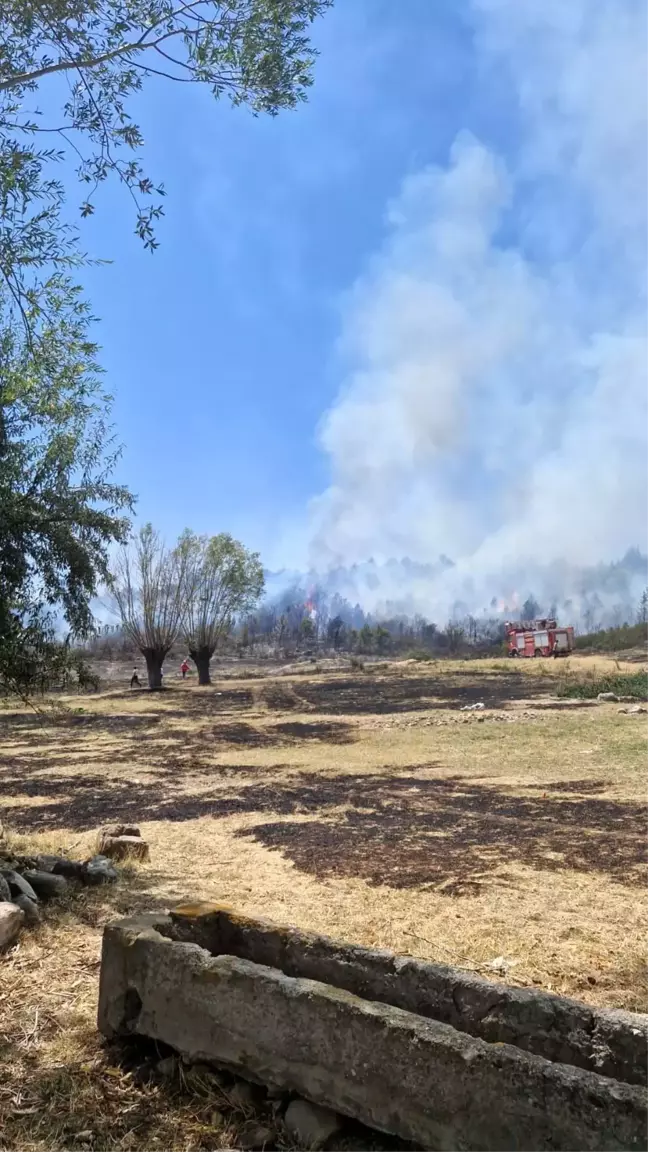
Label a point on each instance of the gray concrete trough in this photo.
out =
(425, 1051)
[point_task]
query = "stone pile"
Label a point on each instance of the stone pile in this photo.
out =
(28, 881)
(263, 1118)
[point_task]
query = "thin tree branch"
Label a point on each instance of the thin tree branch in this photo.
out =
(166, 75)
(139, 45)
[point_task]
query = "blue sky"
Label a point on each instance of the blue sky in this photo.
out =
(220, 348)
(361, 310)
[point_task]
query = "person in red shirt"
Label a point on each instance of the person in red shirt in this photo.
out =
(184, 668)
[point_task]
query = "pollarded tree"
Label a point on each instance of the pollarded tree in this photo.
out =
(225, 581)
(150, 585)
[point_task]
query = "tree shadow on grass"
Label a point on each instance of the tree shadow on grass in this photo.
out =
(204, 700)
(452, 834)
(401, 830)
(367, 694)
(168, 750)
(83, 802)
(332, 732)
(204, 704)
(583, 787)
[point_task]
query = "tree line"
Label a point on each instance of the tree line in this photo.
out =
(298, 622)
(624, 634)
(206, 594)
(208, 597)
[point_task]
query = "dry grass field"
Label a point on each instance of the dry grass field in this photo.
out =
(362, 804)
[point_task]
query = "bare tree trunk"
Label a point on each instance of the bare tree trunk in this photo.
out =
(201, 658)
(154, 660)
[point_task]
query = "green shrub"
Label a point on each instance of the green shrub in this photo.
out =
(613, 639)
(634, 684)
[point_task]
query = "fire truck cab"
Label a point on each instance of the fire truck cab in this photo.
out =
(538, 638)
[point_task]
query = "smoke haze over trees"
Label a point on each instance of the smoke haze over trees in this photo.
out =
(601, 595)
(374, 608)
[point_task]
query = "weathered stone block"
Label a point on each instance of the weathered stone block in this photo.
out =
(390, 1067)
(123, 847)
(120, 830)
(612, 1043)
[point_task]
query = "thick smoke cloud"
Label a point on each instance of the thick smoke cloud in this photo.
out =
(493, 405)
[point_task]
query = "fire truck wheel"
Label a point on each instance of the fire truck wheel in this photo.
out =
(538, 652)
(512, 653)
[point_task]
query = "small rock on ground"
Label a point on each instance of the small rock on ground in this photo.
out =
(203, 1077)
(71, 869)
(18, 886)
(243, 1095)
(143, 1074)
(167, 1066)
(30, 909)
(11, 919)
(608, 696)
(45, 884)
(256, 1137)
(99, 870)
(634, 710)
(311, 1125)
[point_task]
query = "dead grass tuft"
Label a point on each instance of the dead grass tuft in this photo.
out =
(61, 1086)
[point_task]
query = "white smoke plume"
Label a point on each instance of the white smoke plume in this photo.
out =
(493, 405)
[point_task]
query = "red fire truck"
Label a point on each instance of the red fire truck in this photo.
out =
(538, 638)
